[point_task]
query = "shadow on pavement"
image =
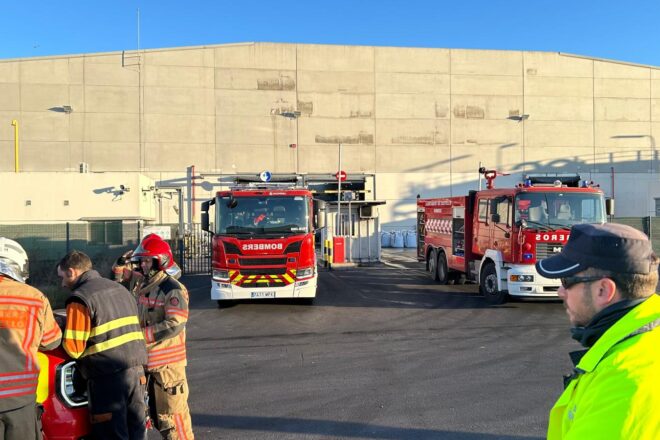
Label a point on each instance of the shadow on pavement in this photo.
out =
(286, 425)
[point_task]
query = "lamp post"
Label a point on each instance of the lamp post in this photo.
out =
(521, 119)
(295, 114)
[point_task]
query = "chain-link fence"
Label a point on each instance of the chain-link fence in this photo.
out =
(103, 241)
(46, 244)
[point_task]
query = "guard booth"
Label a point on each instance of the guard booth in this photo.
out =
(357, 223)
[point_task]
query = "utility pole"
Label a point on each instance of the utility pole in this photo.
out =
(15, 124)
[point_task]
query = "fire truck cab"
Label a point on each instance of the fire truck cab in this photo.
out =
(495, 236)
(263, 243)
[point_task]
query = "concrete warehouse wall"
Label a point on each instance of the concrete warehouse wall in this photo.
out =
(421, 119)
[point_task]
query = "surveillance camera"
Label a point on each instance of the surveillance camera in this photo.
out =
(124, 188)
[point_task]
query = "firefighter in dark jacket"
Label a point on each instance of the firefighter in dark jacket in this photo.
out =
(26, 325)
(103, 334)
(163, 312)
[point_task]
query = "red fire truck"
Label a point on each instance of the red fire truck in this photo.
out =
(495, 236)
(61, 394)
(263, 243)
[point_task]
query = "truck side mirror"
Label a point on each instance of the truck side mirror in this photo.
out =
(205, 216)
(495, 218)
(205, 221)
(609, 206)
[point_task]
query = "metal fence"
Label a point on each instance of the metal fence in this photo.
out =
(649, 225)
(45, 244)
(103, 241)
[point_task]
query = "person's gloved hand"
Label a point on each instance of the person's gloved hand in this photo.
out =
(126, 256)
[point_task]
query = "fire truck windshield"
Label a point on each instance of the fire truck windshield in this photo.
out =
(553, 210)
(262, 215)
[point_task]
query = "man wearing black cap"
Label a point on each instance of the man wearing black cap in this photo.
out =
(608, 278)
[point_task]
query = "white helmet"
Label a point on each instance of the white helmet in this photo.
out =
(13, 260)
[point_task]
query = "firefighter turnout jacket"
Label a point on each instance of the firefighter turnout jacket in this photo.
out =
(103, 331)
(163, 312)
(615, 393)
(27, 324)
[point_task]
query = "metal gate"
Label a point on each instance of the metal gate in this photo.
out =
(194, 250)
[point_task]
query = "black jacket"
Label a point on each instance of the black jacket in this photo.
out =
(115, 342)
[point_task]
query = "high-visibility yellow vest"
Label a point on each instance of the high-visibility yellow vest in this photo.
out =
(616, 394)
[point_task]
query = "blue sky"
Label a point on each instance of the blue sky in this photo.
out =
(626, 31)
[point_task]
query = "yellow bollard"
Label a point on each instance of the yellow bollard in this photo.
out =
(328, 250)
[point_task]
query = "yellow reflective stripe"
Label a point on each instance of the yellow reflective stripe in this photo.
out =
(114, 342)
(114, 324)
(232, 272)
(288, 278)
(293, 271)
(76, 335)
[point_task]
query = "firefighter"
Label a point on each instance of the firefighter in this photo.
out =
(126, 272)
(26, 325)
(163, 313)
(103, 334)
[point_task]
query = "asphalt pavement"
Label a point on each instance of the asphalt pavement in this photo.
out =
(383, 353)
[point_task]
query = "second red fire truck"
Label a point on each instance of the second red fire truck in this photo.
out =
(263, 243)
(495, 236)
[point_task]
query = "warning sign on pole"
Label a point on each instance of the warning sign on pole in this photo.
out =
(341, 176)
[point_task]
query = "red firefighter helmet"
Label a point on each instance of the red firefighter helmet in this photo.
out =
(155, 247)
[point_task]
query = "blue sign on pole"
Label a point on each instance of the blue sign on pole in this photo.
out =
(265, 176)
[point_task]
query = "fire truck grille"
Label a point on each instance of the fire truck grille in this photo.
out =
(269, 271)
(269, 283)
(262, 261)
(545, 250)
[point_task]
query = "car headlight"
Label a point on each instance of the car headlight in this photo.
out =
(220, 274)
(68, 388)
(305, 272)
(522, 278)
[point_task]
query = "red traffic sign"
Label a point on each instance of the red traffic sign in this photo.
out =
(340, 175)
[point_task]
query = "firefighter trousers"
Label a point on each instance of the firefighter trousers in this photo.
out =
(116, 405)
(168, 403)
(20, 424)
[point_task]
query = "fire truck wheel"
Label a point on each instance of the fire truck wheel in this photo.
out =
(488, 286)
(433, 263)
(443, 271)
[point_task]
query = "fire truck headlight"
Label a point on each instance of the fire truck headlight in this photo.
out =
(522, 278)
(220, 275)
(306, 272)
(69, 387)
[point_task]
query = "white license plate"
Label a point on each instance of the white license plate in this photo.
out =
(266, 294)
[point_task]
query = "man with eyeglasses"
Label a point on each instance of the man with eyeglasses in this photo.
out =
(608, 279)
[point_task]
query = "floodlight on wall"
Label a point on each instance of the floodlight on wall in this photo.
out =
(291, 115)
(67, 109)
(519, 118)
